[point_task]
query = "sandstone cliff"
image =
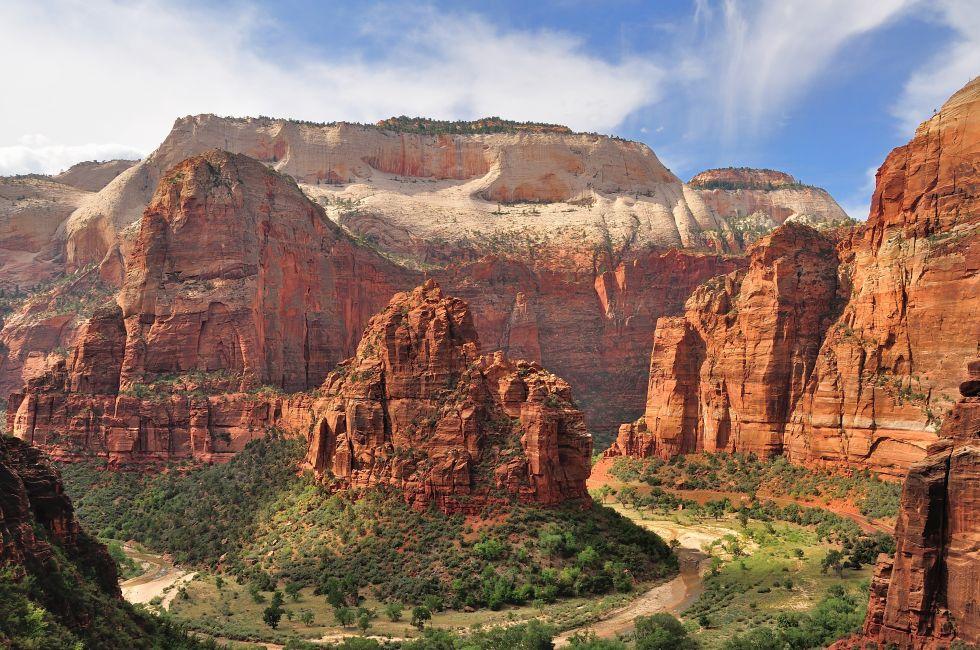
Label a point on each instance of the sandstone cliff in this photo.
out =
(486, 192)
(418, 408)
(839, 353)
(927, 595)
(726, 376)
(754, 201)
(236, 282)
(888, 368)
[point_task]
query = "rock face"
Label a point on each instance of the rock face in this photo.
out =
(491, 191)
(725, 377)
(888, 369)
(235, 282)
(418, 408)
(754, 201)
(32, 208)
(235, 270)
(36, 514)
(835, 354)
(592, 329)
(927, 595)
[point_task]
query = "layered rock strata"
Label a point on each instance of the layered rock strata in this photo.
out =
(754, 201)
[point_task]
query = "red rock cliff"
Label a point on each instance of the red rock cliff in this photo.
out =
(725, 376)
(888, 368)
(836, 355)
(928, 595)
(236, 281)
(418, 408)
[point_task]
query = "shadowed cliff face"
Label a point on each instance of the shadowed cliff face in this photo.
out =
(835, 350)
(36, 515)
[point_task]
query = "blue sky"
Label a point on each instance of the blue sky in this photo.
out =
(822, 89)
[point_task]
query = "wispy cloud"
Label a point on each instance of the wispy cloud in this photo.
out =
(109, 71)
(749, 62)
(946, 71)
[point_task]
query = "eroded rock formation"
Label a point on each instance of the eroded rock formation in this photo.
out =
(839, 348)
(928, 594)
(420, 409)
(725, 376)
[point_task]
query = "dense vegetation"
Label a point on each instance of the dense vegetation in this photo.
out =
(266, 524)
(777, 477)
(840, 613)
(88, 618)
(61, 601)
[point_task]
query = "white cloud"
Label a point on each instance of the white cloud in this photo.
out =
(36, 154)
(946, 71)
(752, 61)
(104, 71)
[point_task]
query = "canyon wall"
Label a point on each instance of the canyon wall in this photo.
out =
(926, 596)
(848, 354)
(289, 294)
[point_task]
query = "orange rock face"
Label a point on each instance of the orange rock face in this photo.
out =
(236, 281)
(724, 377)
(889, 367)
(419, 409)
(929, 593)
(836, 354)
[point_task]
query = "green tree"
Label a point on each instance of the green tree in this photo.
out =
(420, 615)
(364, 618)
(662, 632)
(306, 617)
(272, 615)
(292, 590)
(344, 615)
(393, 611)
(833, 560)
(277, 599)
